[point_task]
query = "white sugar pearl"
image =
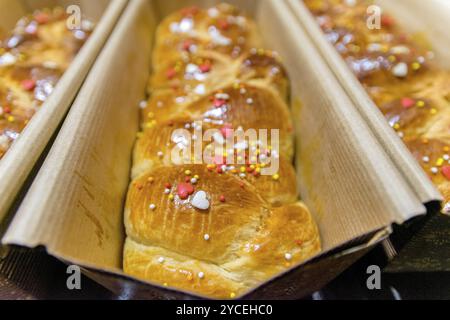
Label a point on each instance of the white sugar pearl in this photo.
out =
(446, 157)
(143, 104)
(167, 191)
(160, 154)
(288, 256)
(152, 207)
(206, 237)
(434, 170)
(249, 101)
(161, 260)
(400, 70)
(426, 159)
(201, 275)
(193, 181)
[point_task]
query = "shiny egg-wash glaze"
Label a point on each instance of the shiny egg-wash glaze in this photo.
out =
(216, 230)
(398, 72)
(32, 60)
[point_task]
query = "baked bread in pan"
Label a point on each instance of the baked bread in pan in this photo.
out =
(398, 72)
(33, 57)
(217, 229)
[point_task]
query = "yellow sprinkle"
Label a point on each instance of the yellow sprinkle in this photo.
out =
(252, 167)
(232, 295)
(197, 177)
(243, 169)
(171, 197)
(396, 126)
(263, 165)
(355, 48)
(415, 66)
(258, 170)
(261, 52)
(392, 58)
(151, 179)
(433, 111)
(446, 149)
(11, 119)
(188, 172)
(165, 284)
(236, 85)
(420, 104)
(276, 177)
(22, 57)
(225, 154)
(439, 162)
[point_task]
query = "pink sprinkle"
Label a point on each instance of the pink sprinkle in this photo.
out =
(407, 103)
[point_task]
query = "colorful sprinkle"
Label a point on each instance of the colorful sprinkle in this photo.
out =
(28, 84)
(407, 103)
(446, 172)
(184, 190)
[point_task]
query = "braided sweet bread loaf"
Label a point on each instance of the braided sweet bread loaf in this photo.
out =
(399, 74)
(32, 60)
(216, 229)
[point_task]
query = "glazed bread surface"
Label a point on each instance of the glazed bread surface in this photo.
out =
(399, 73)
(216, 229)
(33, 57)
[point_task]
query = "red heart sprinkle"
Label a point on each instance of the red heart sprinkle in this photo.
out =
(184, 190)
(171, 73)
(187, 45)
(407, 102)
(29, 84)
(223, 24)
(387, 21)
(206, 67)
(42, 18)
(446, 172)
(218, 103)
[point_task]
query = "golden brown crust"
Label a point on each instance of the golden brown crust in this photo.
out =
(219, 228)
(32, 60)
(400, 75)
(221, 28)
(286, 237)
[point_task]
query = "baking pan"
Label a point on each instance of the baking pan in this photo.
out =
(75, 206)
(424, 239)
(19, 161)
